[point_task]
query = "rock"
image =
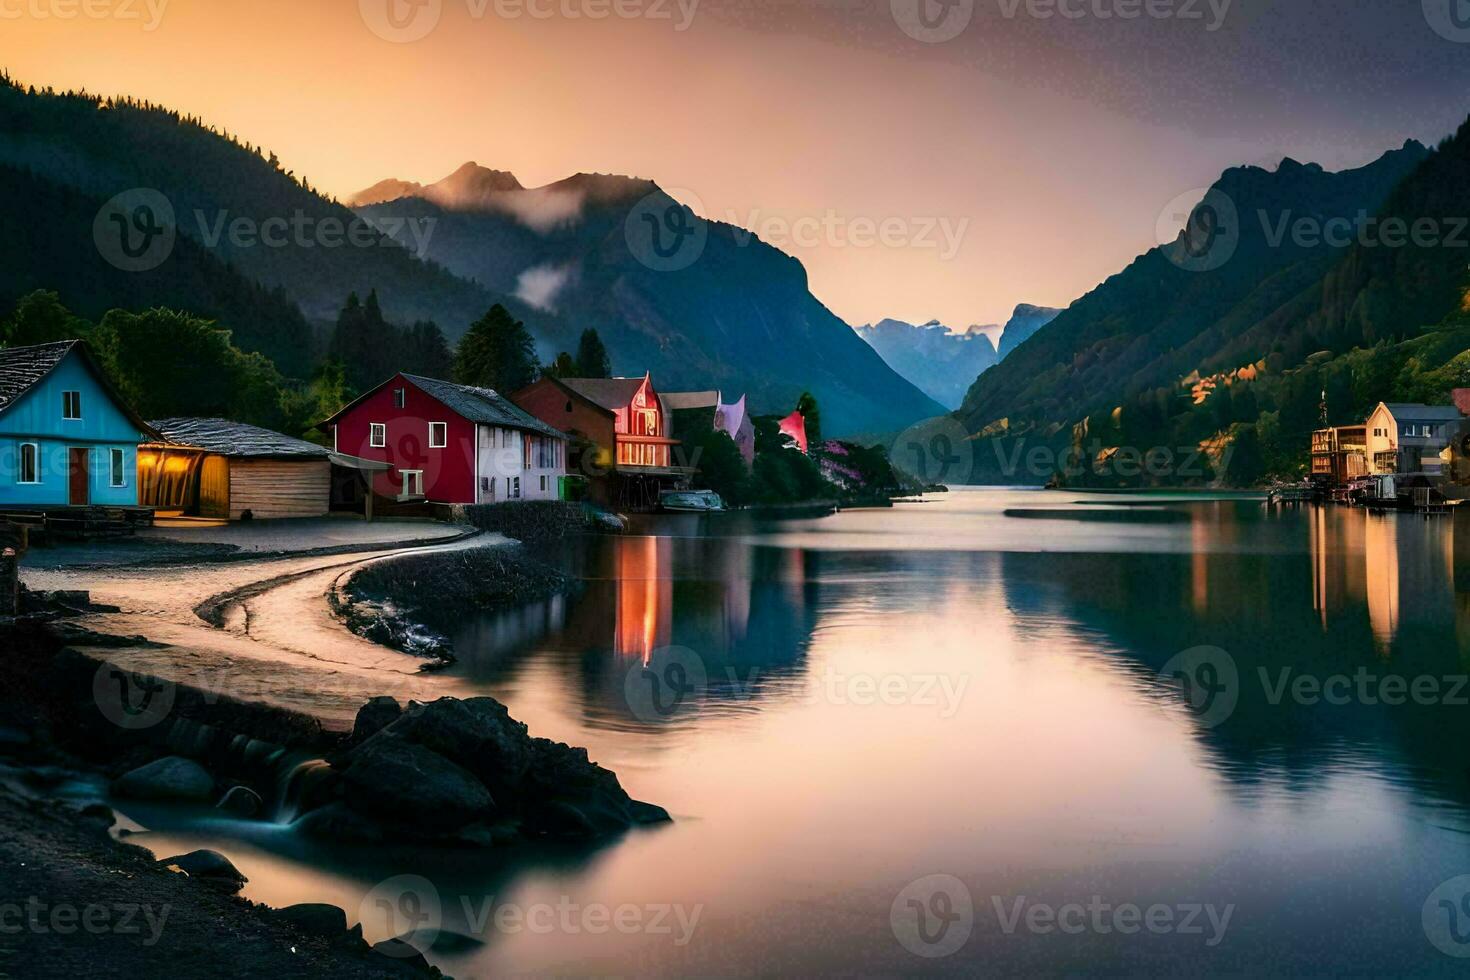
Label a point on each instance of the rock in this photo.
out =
(649, 813)
(339, 822)
(99, 813)
(211, 867)
(567, 794)
(315, 919)
(477, 734)
(375, 716)
(441, 941)
(390, 777)
(402, 951)
(242, 801)
(172, 778)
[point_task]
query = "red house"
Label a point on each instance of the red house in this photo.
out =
(449, 444)
(626, 423)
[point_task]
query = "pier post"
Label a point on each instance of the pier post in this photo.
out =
(12, 547)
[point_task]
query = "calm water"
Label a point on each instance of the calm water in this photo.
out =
(989, 687)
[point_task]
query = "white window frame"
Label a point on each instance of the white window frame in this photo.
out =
(66, 400)
(400, 397)
(20, 457)
(117, 464)
(443, 428)
(377, 435)
(413, 478)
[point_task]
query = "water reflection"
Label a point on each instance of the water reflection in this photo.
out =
(745, 613)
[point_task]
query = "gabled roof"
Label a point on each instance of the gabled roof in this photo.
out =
(1412, 412)
(22, 368)
(609, 393)
(236, 439)
(680, 400)
(484, 406)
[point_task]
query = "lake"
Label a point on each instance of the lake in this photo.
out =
(1000, 731)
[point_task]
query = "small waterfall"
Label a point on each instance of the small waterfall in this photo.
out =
(289, 782)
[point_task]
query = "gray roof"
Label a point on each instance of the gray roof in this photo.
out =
(610, 393)
(1408, 412)
(483, 406)
(680, 400)
(22, 368)
(236, 439)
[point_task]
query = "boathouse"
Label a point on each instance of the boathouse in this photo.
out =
(225, 470)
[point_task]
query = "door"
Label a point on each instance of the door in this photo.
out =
(79, 484)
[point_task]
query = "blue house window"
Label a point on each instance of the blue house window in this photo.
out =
(29, 470)
(119, 471)
(71, 405)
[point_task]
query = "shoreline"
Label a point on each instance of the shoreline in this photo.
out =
(45, 743)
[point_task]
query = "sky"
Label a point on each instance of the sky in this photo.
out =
(925, 159)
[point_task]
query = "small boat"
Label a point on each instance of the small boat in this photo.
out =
(691, 502)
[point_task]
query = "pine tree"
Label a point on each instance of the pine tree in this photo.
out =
(592, 358)
(565, 366)
(807, 406)
(428, 352)
(497, 352)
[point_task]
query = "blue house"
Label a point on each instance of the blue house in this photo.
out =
(66, 436)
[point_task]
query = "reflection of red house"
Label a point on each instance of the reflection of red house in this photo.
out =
(627, 423)
(794, 425)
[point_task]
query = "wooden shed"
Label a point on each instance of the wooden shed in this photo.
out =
(228, 470)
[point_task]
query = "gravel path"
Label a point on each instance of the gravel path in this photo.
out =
(277, 642)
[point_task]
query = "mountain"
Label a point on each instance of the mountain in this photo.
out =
(47, 231)
(1238, 284)
(237, 203)
(704, 305)
(1023, 325)
(942, 363)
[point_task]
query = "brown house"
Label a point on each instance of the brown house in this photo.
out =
(623, 428)
(225, 470)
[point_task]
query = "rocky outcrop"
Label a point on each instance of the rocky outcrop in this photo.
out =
(1023, 325)
(171, 778)
(210, 867)
(466, 772)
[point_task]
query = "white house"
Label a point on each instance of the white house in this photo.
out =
(1406, 438)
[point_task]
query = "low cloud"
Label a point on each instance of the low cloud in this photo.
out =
(540, 284)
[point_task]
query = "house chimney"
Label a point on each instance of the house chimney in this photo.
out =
(1461, 398)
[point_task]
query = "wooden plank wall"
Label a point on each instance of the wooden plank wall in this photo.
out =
(271, 488)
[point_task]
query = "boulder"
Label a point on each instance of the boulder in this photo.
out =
(476, 734)
(315, 919)
(568, 795)
(172, 778)
(211, 867)
(241, 801)
(402, 951)
(340, 823)
(375, 716)
(392, 778)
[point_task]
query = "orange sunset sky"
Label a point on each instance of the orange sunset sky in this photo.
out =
(1022, 161)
